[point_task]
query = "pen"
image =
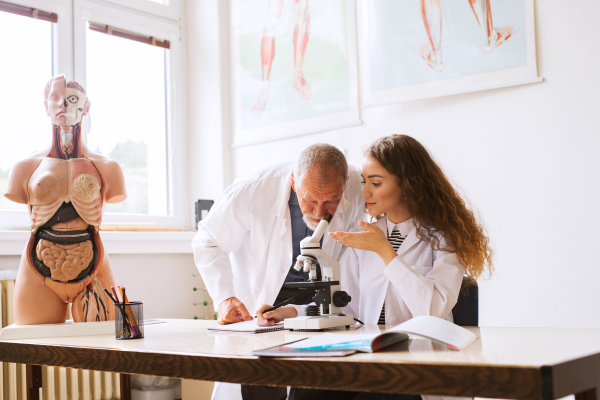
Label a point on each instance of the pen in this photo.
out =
(276, 306)
(110, 295)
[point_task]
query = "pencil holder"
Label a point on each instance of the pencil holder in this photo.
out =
(129, 320)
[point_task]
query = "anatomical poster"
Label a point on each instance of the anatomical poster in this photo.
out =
(293, 67)
(412, 49)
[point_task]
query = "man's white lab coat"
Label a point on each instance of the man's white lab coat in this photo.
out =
(420, 281)
(244, 245)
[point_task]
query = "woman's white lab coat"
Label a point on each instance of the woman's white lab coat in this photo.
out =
(419, 281)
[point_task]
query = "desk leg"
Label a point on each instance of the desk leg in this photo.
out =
(587, 395)
(33, 378)
(125, 387)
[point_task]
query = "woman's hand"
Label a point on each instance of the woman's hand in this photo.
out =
(272, 317)
(372, 240)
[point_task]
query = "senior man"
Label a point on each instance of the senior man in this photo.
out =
(246, 246)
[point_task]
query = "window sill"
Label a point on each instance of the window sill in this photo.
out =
(12, 243)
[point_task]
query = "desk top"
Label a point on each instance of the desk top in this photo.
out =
(494, 346)
(537, 355)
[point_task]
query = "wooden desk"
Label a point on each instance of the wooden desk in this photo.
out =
(513, 363)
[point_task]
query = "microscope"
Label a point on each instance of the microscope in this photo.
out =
(329, 299)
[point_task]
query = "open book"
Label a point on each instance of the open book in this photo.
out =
(331, 344)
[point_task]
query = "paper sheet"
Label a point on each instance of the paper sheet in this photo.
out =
(57, 330)
(437, 329)
(246, 326)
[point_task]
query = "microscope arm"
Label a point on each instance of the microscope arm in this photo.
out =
(330, 268)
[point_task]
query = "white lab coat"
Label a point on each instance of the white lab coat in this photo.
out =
(419, 281)
(244, 245)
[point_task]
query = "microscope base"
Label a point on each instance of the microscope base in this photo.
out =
(318, 322)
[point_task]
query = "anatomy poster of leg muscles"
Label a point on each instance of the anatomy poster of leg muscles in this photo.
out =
(293, 67)
(413, 49)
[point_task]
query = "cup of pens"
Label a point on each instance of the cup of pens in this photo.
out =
(129, 315)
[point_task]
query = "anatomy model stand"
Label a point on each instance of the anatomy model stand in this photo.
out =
(329, 298)
(65, 188)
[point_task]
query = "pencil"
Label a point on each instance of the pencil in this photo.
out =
(115, 294)
(131, 315)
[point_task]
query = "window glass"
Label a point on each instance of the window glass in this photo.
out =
(126, 86)
(26, 48)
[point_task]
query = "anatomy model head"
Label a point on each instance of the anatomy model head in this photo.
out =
(66, 103)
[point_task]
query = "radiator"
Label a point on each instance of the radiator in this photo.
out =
(58, 383)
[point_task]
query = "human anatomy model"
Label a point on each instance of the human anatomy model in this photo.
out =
(65, 188)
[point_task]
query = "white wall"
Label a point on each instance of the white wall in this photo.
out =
(165, 282)
(527, 156)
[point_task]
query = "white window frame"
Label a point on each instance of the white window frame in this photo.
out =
(170, 11)
(62, 60)
(69, 57)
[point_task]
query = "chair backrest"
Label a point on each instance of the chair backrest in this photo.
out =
(466, 310)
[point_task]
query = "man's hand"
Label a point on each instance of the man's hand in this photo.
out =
(272, 317)
(233, 310)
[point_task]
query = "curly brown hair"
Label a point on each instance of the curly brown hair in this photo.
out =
(434, 203)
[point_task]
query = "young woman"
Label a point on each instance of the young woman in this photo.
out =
(411, 260)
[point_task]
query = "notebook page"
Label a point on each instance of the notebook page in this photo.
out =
(437, 329)
(246, 326)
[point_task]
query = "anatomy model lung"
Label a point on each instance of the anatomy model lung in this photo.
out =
(65, 187)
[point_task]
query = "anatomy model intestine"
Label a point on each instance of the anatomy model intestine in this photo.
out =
(65, 188)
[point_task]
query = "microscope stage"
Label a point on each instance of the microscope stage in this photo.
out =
(317, 323)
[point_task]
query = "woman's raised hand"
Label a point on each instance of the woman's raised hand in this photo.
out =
(373, 239)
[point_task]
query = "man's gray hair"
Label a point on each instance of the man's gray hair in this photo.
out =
(330, 163)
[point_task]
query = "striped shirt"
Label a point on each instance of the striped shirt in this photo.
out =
(396, 238)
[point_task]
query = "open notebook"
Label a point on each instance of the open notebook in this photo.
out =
(246, 327)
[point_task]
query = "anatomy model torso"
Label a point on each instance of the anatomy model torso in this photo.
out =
(66, 188)
(56, 181)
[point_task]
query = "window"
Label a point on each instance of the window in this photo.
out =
(130, 81)
(24, 128)
(127, 79)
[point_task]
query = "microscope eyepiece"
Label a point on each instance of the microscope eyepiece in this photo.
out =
(327, 217)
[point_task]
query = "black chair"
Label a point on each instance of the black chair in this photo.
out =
(466, 310)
